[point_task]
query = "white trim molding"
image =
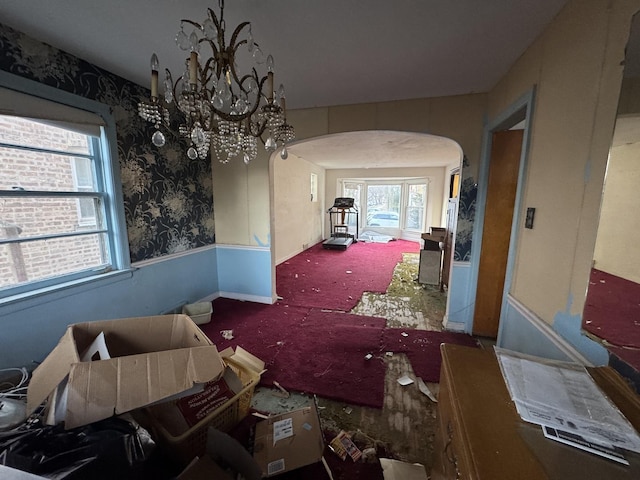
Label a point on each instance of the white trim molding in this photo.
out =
(548, 339)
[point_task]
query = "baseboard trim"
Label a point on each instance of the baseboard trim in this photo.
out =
(245, 297)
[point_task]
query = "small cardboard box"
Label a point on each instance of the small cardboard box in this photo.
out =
(151, 359)
(288, 441)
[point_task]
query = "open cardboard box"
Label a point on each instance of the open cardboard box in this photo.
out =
(152, 359)
(288, 441)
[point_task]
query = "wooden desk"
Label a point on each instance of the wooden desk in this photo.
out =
(481, 436)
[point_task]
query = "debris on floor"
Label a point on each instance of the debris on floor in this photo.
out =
(425, 389)
(367, 439)
(405, 380)
(396, 470)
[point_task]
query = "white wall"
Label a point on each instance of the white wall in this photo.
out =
(297, 218)
(617, 248)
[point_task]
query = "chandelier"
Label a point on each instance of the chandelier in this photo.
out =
(216, 107)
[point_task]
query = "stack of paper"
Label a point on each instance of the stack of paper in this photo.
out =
(565, 400)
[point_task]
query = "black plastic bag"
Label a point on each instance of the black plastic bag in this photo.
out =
(111, 448)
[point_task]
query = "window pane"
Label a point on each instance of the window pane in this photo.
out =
(417, 197)
(32, 217)
(21, 263)
(26, 132)
(383, 206)
(43, 171)
(352, 190)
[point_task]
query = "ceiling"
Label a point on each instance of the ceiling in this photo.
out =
(330, 52)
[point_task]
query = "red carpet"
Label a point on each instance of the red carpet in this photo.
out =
(336, 279)
(307, 350)
(609, 314)
(323, 352)
(423, 348)
(307, 341)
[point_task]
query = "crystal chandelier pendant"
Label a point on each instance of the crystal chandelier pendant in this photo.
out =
(158, 139)
(284, 154)
(270, 144)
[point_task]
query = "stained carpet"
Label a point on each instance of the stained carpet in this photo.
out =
(332, 354)
(609, 293)
(336, 279)
(423, 348)
(307, 350)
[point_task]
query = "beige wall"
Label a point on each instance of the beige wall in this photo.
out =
(297, 219)
(241, 200)
(245, 201)
(575, 66)
(617, 250)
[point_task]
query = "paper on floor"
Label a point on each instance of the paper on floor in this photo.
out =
(397, 470)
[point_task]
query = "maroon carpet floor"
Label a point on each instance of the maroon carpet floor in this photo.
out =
(423, 348)
(307, 350)
(325, 352)
(609, 314)
(308, 342)
(336, 279)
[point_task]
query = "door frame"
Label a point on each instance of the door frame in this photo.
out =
(520, 110)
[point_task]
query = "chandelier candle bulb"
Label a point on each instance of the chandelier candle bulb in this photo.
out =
(283, 100)
(193, 68)
(270, 86)
(154, 75)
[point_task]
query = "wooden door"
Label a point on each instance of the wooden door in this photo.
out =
(501, 196)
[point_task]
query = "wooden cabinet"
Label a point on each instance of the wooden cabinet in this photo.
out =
(481, 436)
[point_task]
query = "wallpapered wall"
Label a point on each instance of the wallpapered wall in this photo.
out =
(466, 214)
(168, 199)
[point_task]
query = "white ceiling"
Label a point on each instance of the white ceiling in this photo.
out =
(379, 149)
(329, 52)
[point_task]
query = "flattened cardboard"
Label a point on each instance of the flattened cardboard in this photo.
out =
(397, 470)
(244, 358)
(152, 358)
(288, 441)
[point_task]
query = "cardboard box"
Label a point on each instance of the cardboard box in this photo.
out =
(151, 359)
(288, 441)
(179, 416)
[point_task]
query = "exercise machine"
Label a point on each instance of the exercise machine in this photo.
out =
(343, 221)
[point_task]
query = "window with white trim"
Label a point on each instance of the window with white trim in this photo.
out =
(389, 203)
(54, 222)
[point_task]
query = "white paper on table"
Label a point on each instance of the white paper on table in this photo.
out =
(564, 396)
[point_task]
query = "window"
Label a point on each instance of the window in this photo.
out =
(54, 222)
(398, 204)
(416, 202)
(383, 205)
(353, 190)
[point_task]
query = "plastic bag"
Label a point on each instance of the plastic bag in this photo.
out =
(108, 449)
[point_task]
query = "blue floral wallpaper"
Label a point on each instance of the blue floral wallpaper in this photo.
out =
(168, 199)
(466, 215)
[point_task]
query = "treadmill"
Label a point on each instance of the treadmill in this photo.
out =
(343, 221)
